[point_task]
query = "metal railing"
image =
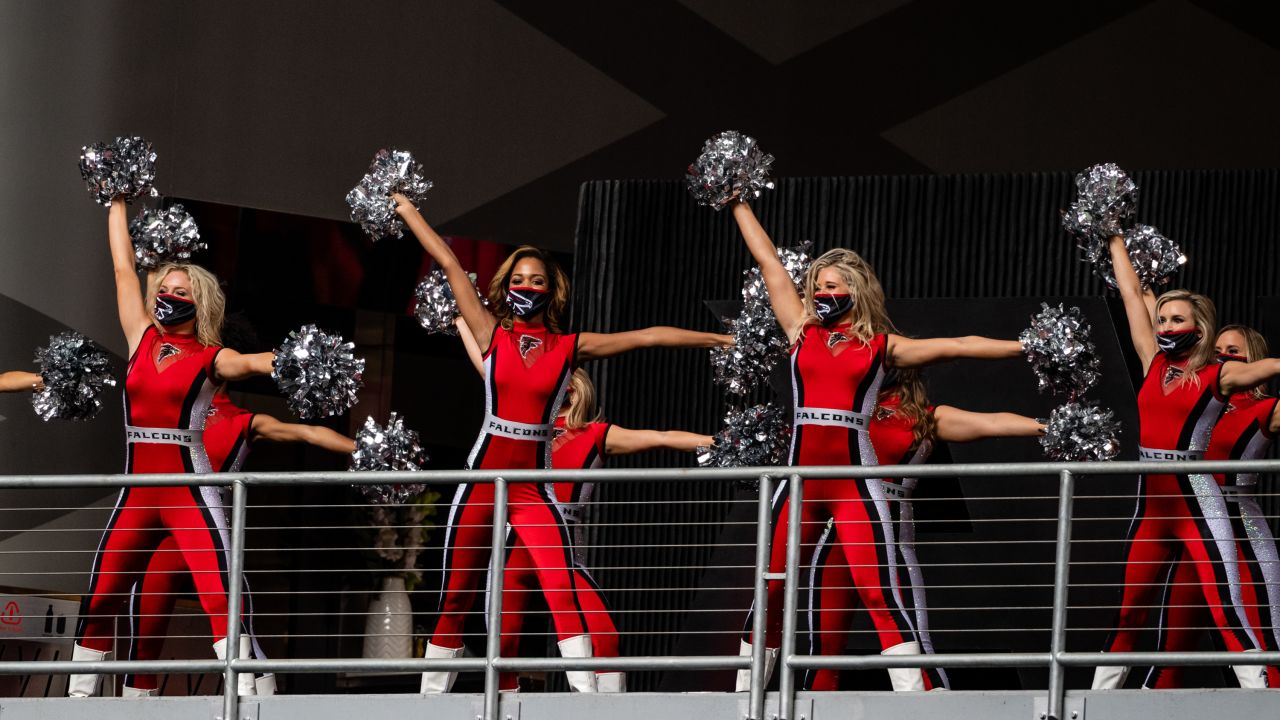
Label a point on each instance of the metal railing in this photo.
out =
(1056, 659)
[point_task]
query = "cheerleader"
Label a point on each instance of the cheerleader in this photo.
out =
(528, 362)
(841, 347)
(1183, 394)
(175, 362)
(904, 429)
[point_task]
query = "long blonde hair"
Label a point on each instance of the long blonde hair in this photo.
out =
(211, 304)
(557, 287)
(1255, 348)
(869, 315)
(582, 401)
(1205, 317)
(913, 403)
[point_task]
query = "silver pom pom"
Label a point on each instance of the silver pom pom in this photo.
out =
(317, 373)
(393, 447)
(1155, 257)
(161, 236)
(1078, 431)
(75, 372)
(1058, 347)
(756, 436)
(759, 343)
(392, 171)
(436, 308)
(731, 167)
(124, 168)
(1106, 199)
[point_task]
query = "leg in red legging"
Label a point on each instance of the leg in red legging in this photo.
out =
(466, 558)
(132, 533)
(1183, 618)
(199, 529)
(537, 522)
(518, 582)
(604, 634)
(831, 607)
(151, 607)
(861, 537)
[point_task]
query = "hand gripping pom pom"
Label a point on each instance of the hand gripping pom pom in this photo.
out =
(317, 373)
(392, 171)
(436, 308)
(731, 167)
(1058, 347)
(759, 343)
(75, 372)
(756, 436)
(393, 447)
(1077, 431)
(124, 168)
(161, 236)
(1155, 257)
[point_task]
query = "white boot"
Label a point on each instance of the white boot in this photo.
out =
(1252, 677)
(85, 685)
(265, 685)
(1109, 677)
(244, 681)
(127, 691)
(435, 681)
(611, 682)
(744, 675)
(904, 679)
(579, 646)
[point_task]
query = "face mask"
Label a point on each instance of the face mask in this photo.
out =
(174, 310)
(831, 307)
(1228, 357)
(526, 302)
(1177, 342)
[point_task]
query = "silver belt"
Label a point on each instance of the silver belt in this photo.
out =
(163, 436)
(1157, 455)
(495, 425)
(832, 417)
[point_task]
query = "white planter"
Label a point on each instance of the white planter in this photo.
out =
(388, 628)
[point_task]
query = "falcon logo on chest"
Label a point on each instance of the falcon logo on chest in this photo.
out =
(167, 351)
(836, 338)
(529, 343)
(1171, 374)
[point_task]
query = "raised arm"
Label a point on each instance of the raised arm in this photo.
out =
(20, 381)
(1141, 328)
(786, 302)
(474, 353)
(956, 425)
(1237, 376)
(907, 352)
(621, 441)
(593, 346)
(130, 306)
(269, 428)
(482, 322)
(230, 365)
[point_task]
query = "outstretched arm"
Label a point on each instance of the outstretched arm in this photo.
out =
(474, 353)
(129, 303)
(482, 322)
(20, 381)
(593, 346)
(1141, 326)
(907, 352)
(786, 302)
(230, 365)
(956, 425)
(1237, 376)
(621, 441)
(269, 428)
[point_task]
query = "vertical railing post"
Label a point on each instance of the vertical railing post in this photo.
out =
(759, 616)
(1061, 569)
(235, 580)
(497, 564)
(791, 590)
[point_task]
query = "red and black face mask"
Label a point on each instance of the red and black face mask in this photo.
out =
(173, 309)
(1228, 357)
(1177, 342)
(526, 302)
(830, 307)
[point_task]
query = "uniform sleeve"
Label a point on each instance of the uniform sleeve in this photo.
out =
(602, 436)
(573, 354)
(143, 343)
(1265, 420)
(1215, 373)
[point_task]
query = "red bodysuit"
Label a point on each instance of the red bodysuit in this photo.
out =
(832, 593)
(572, 449)
(835, 379)
(1243, 433)
(226, 442)
(526, 372)
(1184, 513)
(168, 393)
